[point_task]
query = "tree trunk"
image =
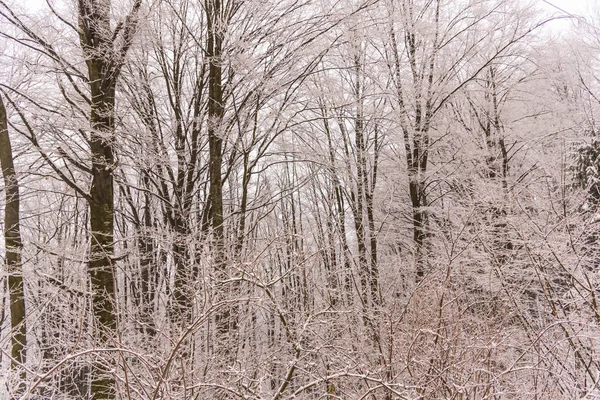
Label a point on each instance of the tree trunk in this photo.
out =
(102, 226)
(104, 62)
(216, 111)
(14, 245)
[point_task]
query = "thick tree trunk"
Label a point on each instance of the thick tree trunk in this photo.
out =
(103, 64)
(215, 116)
(102, 225)
(14, 245)
(224, 319)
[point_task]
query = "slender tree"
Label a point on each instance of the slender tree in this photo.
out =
(14, 246)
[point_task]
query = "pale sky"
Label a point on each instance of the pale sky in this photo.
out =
(572, 6)
(582, 8)
(575, 7)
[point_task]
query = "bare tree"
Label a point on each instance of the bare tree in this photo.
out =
(14, 246)
(231, 199)
(431, 56)
(104, 50)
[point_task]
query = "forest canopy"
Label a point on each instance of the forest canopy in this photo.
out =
(298, 199)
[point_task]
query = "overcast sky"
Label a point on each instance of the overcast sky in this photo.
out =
(575, 7)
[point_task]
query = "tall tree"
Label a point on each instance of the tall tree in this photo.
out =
(435, 49)
(217, 17)
(13, 245)
(104, 50)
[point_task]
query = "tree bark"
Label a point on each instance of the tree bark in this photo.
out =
(14, 245)
(104, 62)
(102, 226)
(224, 319)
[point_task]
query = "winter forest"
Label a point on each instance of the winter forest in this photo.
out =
(299, 199)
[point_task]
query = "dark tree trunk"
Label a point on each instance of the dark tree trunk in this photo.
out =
(224, 320)
(101, 267)
(216, 112)
(104, 62)
(14, 245)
